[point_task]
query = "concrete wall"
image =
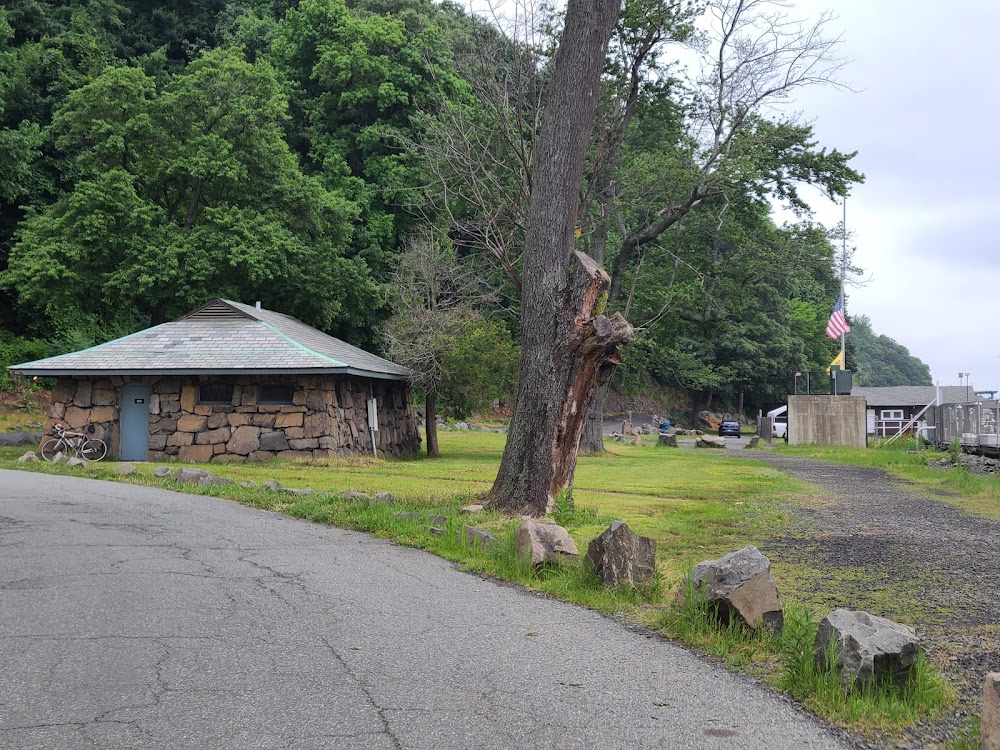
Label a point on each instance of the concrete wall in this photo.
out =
(326, 419)
(827, 420)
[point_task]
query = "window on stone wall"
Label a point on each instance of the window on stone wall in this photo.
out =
(275, 393)
(216, 393)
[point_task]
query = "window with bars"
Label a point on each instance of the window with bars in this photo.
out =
(216, 393)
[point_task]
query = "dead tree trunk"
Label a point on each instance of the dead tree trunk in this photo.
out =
(566, 343)
(593, 430)
(430, 425)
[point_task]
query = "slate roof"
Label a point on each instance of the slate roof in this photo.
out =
(221, 338)
(914, 395)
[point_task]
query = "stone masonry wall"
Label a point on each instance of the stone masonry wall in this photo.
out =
(327, 417)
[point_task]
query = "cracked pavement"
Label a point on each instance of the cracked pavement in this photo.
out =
(134, 617)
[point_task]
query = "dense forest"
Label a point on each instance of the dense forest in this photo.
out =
(364, 167)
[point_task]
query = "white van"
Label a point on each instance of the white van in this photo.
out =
(779, 422)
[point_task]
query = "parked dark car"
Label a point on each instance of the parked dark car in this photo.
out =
(729, 427)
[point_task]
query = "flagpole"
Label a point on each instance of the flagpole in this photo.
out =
(843, 301)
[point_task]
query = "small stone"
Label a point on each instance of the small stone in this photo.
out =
(27, 457)
(478, 538)
(435, 530)
(740, 584)
(163, 471)
(248, 485)
(190, 476)
(709, 441)
(989, 724)
(77, 461)
(621, 557)
(299, 491)
(752, 443)
(58, 458)
(356, 496)
(461, 426)
(545, 542)
(473, 508)
(273, 485)
(867, 647)
(439, 520)
(385, 498)
(125, 469)
(210, 480)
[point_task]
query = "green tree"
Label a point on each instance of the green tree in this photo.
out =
(878, 360)
(185, 193)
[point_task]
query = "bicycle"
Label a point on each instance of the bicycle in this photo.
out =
(74, 444)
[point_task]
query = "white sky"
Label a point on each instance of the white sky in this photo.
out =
(923, 118)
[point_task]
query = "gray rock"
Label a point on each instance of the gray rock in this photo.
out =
(867, 647)
(356, 496)
(442, 426)
(126, 469)
(668, 439)
(740, 584)
(461, 426)
(439, 520)
(435, 530)
(163, 471)
(27, 457)
(300, 491)
(58, 458)
(709, 441)
(478, 538)
(545, 543)
(273, 441)
(752, 443)
(473, 508)
(190, 476)
(384, 498)
(77, 461)
(273, 485)
(20, 438)
(210, 480)
(621, 557)
(248, 485)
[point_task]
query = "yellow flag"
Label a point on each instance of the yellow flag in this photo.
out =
(839, 360)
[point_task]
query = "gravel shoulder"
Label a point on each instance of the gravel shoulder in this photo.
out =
(876, 544)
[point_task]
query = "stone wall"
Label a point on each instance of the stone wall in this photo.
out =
(327, 417)
(827, 420)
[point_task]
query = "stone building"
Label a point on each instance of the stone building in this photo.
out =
(230, 382)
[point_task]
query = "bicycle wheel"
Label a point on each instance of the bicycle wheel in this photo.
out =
(50, 448)
(93, 449)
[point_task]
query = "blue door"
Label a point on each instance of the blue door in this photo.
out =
(135, 422)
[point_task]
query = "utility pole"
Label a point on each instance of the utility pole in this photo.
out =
(843, 276)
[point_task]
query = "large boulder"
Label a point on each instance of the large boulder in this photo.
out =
(668, 439)
(545, 543)
(621, 557)
(752, 443)
(867, 647)
(739, 584)
(710, 441)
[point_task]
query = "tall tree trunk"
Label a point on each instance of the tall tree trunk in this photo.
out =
(567, 345)
(430, 425)
(593, 429)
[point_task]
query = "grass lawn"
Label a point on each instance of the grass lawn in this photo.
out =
(695, 504)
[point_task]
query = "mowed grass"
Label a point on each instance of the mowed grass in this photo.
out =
(974, 493)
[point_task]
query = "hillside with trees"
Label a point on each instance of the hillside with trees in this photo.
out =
(155, 155)
(878, 360)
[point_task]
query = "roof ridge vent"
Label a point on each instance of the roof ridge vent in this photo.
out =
(217, 310)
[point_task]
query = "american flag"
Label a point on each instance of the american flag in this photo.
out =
(838, 324)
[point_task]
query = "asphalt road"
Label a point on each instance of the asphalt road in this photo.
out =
(136, 617)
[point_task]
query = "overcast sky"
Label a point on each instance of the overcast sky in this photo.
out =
(924, 119)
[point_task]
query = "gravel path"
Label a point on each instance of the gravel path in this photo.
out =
(875, 544)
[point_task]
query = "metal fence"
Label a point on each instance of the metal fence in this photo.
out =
(976, 425)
